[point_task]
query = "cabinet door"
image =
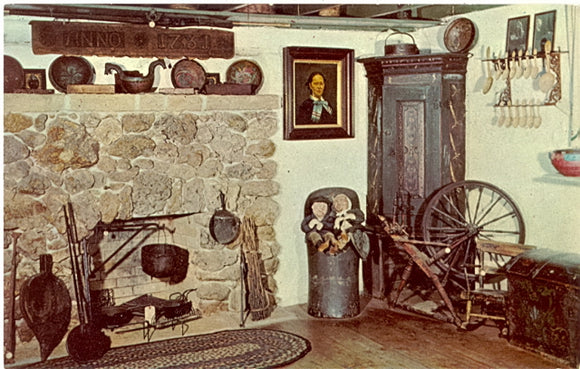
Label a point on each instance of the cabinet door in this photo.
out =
(408, 118)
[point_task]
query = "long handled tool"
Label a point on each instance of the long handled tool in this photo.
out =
(87, 341)
(10, 342)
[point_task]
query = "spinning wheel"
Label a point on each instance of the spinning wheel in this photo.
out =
(460, 213)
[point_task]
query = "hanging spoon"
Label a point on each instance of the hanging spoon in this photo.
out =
(532, 115)
(520, 67)
(498, 70)
(510, 118)
(523, 113)
(537, 118)
(506, 71)
(501, 119)
(489, 80)
(516, 117)
(528, 69)
(513, 66)
(535, 68)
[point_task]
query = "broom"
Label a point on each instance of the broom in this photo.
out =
(260, 300)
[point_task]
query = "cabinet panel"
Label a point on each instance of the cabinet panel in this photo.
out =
(405, 111)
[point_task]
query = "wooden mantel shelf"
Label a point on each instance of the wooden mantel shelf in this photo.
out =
(33, 103)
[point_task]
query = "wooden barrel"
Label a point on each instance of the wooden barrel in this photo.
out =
(333, 288)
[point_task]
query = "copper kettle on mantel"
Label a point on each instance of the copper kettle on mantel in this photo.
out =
(133, 82)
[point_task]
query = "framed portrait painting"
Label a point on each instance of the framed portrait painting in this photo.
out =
(544, 26)
(317, 93)
(517, 34)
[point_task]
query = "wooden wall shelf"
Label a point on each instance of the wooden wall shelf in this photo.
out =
(154, 102)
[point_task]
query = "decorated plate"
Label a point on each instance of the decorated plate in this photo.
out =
(13, 74)
(188, 74)
(459, 35)
(245, 72)
(70, 70)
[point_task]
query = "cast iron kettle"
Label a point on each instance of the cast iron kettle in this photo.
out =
(224, 226)
(401, 49)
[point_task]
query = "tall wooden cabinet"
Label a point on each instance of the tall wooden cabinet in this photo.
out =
(416, 140)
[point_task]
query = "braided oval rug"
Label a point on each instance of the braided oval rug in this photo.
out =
(241, 348)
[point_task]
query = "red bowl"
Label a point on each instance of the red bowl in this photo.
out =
(566, 161)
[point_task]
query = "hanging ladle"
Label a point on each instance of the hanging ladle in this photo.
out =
(547, 79)
(489, 80)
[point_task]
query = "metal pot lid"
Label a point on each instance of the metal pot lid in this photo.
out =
(460, 35)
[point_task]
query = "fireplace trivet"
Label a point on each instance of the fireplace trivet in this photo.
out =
(153, 313)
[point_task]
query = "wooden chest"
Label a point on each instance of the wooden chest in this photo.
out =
(543, 306)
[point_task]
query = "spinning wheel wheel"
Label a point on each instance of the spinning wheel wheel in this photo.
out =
(460, 213)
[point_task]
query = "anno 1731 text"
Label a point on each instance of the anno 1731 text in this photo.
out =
(129, 40)
(94, 39)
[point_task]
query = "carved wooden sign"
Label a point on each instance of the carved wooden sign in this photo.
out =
(129, 40)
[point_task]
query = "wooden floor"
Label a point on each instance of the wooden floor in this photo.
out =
(383, 338)
(377, 338)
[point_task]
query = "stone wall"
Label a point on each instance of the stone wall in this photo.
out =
(119, 157)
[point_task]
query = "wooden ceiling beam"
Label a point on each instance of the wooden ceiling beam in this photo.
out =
(179, 17)
(107, 14)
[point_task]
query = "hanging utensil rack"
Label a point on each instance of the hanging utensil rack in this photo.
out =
(553, 96)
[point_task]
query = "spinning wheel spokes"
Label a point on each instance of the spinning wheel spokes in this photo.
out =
(460, 213)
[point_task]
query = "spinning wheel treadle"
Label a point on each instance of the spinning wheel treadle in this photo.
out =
(471, 229)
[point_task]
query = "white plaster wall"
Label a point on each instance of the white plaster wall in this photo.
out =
(305, 166)
(516, 159)
(513, 159)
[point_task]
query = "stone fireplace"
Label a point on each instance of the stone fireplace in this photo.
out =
(123, 157)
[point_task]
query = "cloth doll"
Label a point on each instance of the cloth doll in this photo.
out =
(318, 225)
(345, 218)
